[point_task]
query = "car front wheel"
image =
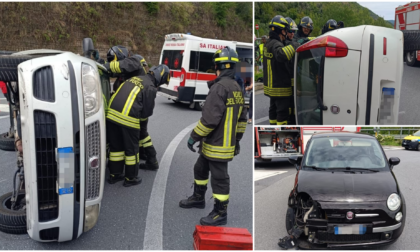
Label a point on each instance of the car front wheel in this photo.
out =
(13, 221)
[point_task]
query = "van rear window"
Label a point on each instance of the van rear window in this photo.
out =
(201, 62)
(173, 59)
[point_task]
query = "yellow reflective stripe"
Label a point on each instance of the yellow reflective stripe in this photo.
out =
(130, 157)
(238, 124)
(112, 98)
(145, 139)
(116, 159)
(140, 144)
(123, 122)
(228, 127)
(269, 73)
(290, 111)
(203, 128)
(111, 65)
(116, 154)
(130, 100)
(282, 123)
(281, 92)
(138, 157)
(201, 182)
(221, 58)
(234, 59)
(293, 82)
(117, 66)
(216, 155)
(218, 148)
(221, 197)
(287, 53)
(127, 118)
(291, 51)
(200, 132)
(273, 121)
(275, 23)
(130, 162)
(143, 119)
(147, 144)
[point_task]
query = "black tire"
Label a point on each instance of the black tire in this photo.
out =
(7, 144)
(411, 40)
(198, 106)
(406, 148)
(410, 58)
(11, 221)
(8, 67)
(290, 220)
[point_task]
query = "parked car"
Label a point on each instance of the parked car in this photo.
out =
(345, 194)
(412, 141)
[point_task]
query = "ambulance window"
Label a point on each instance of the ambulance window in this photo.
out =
(173, 59)
(309, 71)
(201, 62)
(244, 67)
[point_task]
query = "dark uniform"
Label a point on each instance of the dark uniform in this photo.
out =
(291, 68)
(219, 131)
(299, 35)
(277, 76)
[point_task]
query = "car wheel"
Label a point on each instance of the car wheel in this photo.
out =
(199, 105)
(12, 221)
(406, 148)
(410, 58)
(418, 147)
(290, 220)
(7, 143)
(8, 67)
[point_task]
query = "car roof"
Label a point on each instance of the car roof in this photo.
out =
(38, 51)
(341, 134)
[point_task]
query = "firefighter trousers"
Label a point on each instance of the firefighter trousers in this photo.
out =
(280, 110)
(124, 150)
(145, 143)
(220, 180)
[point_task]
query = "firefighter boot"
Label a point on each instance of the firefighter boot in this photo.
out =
(218, 216)
(132, 177)
(114, 178)
(197, 199)
(151, 161)
(142, 154)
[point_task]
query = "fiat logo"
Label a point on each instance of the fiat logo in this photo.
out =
(349, 215)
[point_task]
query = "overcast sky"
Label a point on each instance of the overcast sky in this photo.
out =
(383, 9)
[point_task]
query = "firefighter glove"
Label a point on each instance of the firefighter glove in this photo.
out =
(191, 143)
(303, 41)
(237, 148)
(95, 54)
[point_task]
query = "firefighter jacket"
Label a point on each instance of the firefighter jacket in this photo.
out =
(261, 46)
(291, 64)
(277, 57)
(223, 119)
(125, 69)
(131, 101)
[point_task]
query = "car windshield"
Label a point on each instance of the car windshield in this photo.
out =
(417, 133)
(344, 152)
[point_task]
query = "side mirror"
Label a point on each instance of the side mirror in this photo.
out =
(87, 47)
(295, 160)
(393, 161)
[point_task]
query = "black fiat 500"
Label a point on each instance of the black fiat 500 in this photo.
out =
(345, 194)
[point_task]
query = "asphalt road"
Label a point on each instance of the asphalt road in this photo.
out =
(271, 196)
(408, 112)
(124, 211)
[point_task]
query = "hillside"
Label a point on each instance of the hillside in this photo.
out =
(139, 26)
(391, 22)
(351, 13)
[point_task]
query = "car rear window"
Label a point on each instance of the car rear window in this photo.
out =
(173, 59)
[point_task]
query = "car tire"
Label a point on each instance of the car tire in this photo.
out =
(410, 58)
(199, 106)
(418, 147)
(290, 220)
(12, 221)
(6, 143)
(406, 148)
(411, 40)
(8, 67)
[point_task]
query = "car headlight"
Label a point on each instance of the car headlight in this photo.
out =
(91, 90)
(393, 202)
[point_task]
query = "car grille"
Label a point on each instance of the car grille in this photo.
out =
(93, 181)
(49, 234)
(43, 84)
(46, 165)
(406, 141)
(332, 238)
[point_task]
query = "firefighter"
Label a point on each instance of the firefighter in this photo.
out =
(329, 26)
(261, 47)
(340, 24)
(305, 28)
(277, 76)
(219, 131)
(290, 34)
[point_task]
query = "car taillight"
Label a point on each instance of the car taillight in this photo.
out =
(384, 46)
(183, 77)
(334, 47)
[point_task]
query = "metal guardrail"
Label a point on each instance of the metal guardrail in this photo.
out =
(403, 131)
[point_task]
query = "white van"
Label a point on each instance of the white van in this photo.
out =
(350, 76)
(190, 60)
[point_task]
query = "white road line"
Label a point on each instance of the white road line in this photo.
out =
(4, 107)
(261, 120)
(153, 233)
(2, 117)
(3, 180)
(262, 174)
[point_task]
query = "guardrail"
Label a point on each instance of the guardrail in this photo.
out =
(397, 132)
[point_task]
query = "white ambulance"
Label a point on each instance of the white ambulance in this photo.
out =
(407, 18)
(350, 76)
(284, 142)
(190, 60)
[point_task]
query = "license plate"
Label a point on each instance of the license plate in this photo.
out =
(404, 143)
(350, 229)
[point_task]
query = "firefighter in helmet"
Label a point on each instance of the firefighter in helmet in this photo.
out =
(219, 130)
(277, 76)
(290, 34)
(261, 47)
(329, 26)
(305, 28)
(292, 29)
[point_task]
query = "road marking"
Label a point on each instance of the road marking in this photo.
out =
(262, 174)
(261, 120)
(4, 107)
(3, 180)
(2, 117)
(393, 148)
(153, 232)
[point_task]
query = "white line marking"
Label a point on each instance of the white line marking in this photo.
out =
(261, 120)
(3, 180)
(2, 117)
(154, 221)
(262, 174)
(4, 107)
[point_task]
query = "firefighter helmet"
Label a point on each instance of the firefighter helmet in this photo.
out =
(161, 74)
(340, 24)
(278, 22)
(307, 23)
(142, 60)
(225, 58)
(329, 26)
(117, 53)
(292, 24)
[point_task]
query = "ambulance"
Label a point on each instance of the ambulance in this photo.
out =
(407, 18)
(350, 76)
(190, 60)
(284, 142)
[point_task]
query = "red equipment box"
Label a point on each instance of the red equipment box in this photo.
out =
(221, 238)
